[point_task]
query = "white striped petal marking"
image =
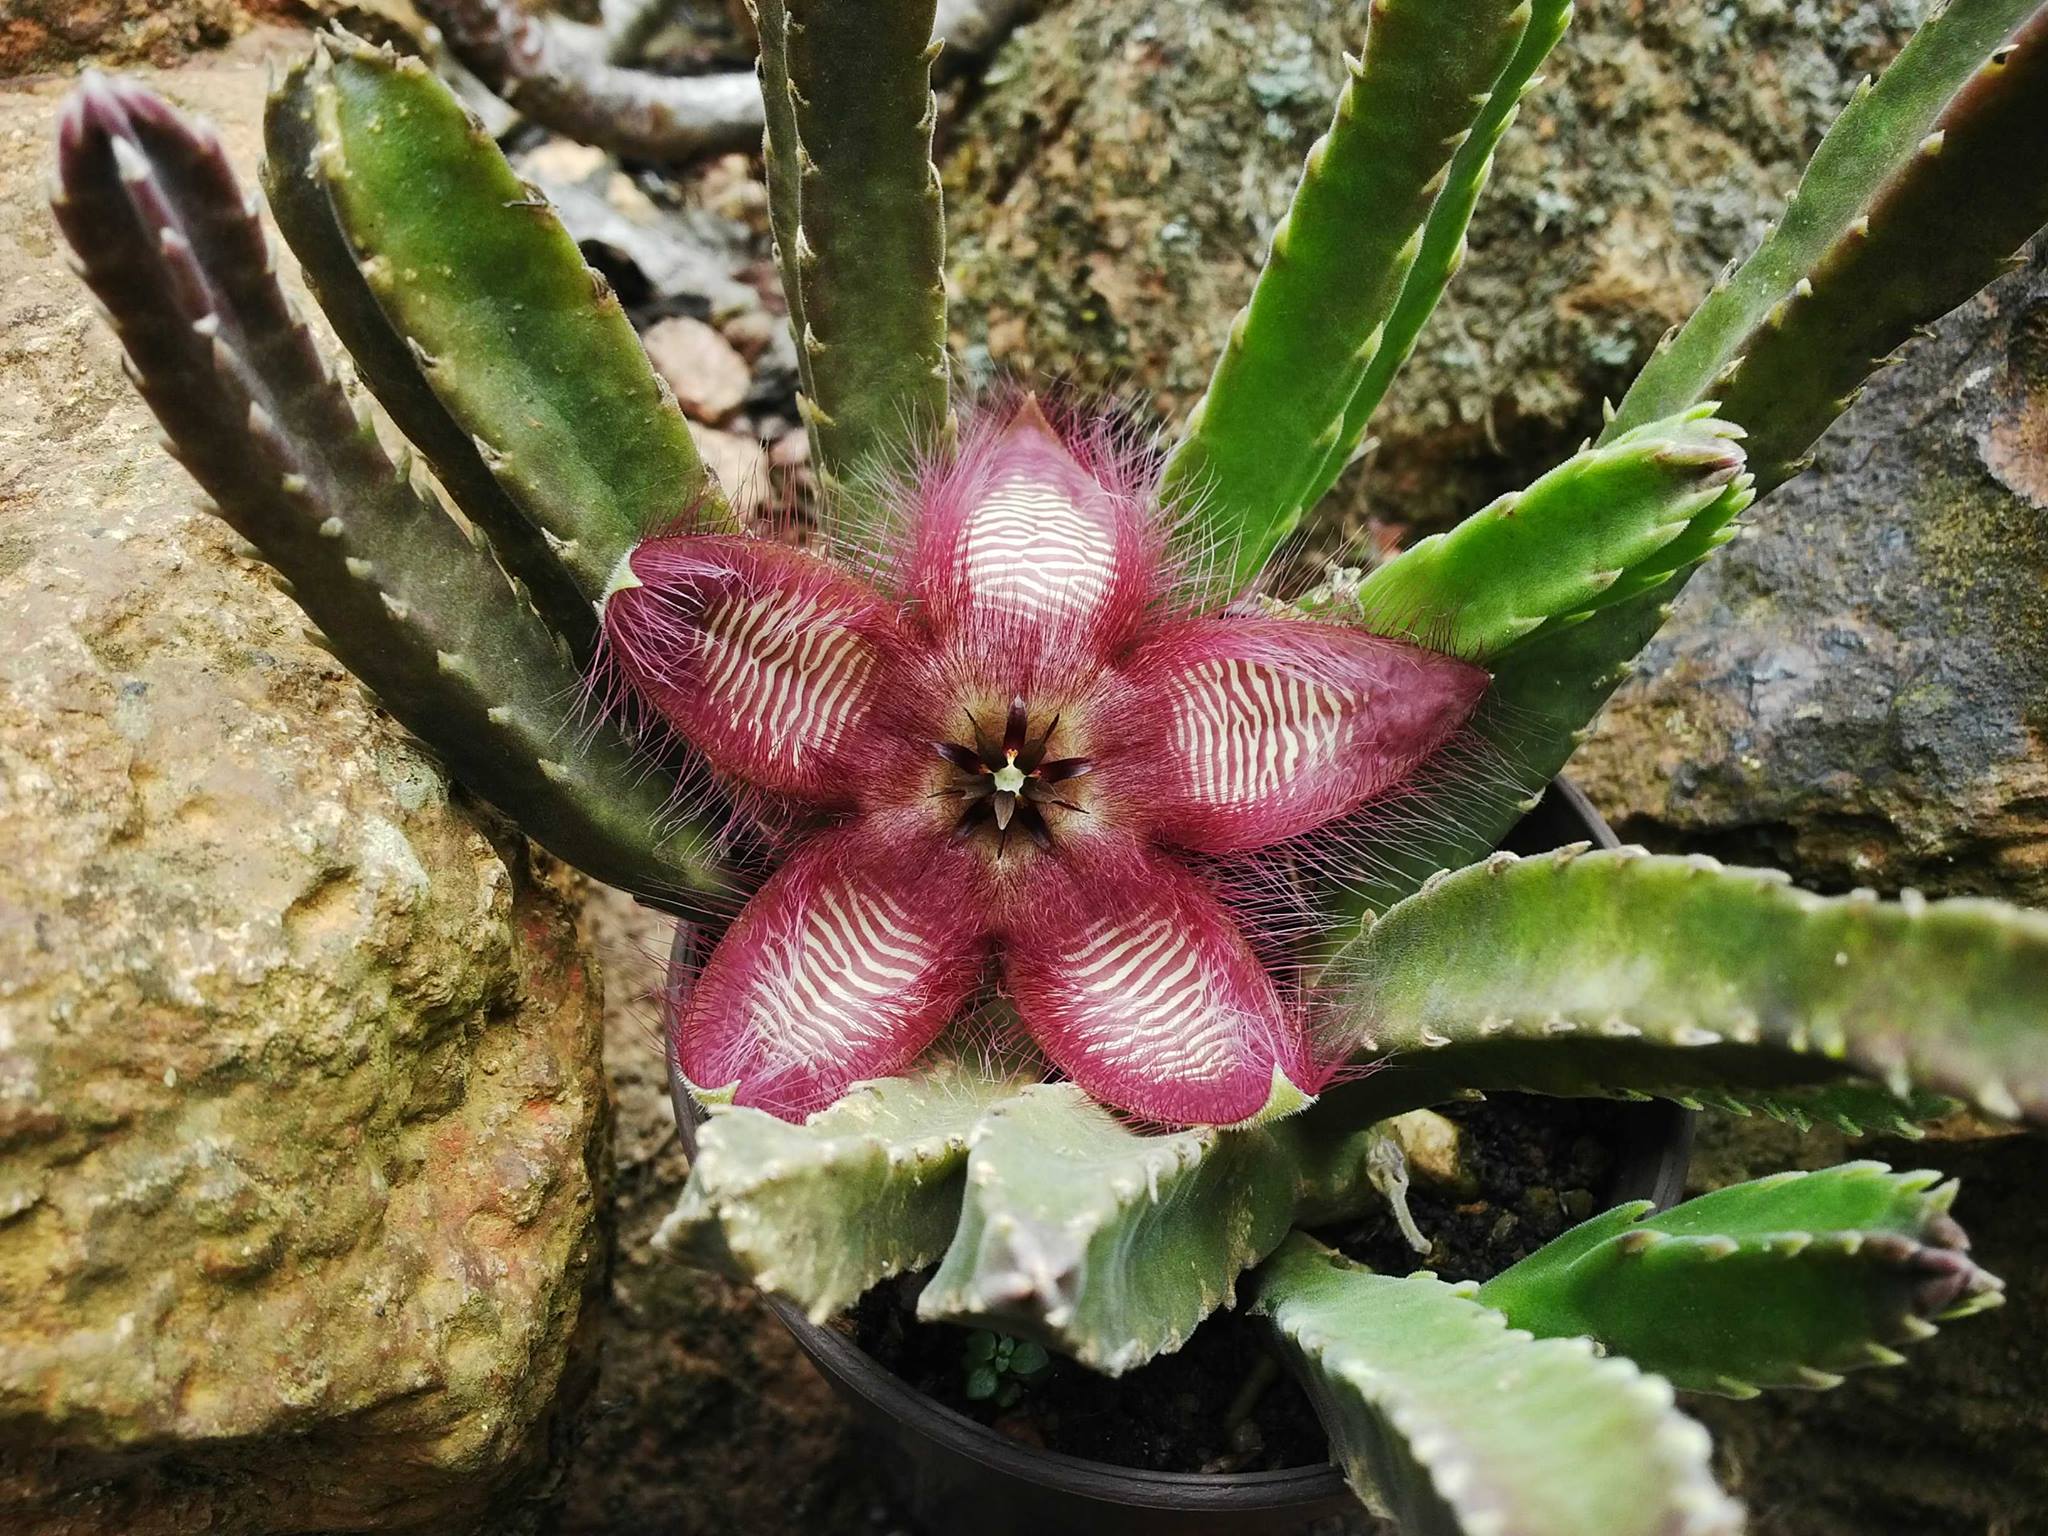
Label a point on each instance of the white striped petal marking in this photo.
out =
(1274, 726)
(1147, 1004)
(764, 658)
(1030, 550)
(836, 971)
(1139, 986)
(784, 671)
(1246, 731)
(823, 990)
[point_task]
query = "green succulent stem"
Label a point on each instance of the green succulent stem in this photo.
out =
(525, 347)
(1789, 1281)
(780, 152)
(1879, 138)
(1275, 409)
(1900, 263)
(421, 615)
(1602, 973)
(1049, 1217)
(1442, 250)
(389, 364)
(866, 1189)
(1451, 1423)
(1882, 237)
(1602, 526)
(863, 232)
(1105, 1244)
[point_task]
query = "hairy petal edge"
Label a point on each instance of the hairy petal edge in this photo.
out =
(1261, 729)
(764, 658)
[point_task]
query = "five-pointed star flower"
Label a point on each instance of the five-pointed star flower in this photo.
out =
(1024, 746)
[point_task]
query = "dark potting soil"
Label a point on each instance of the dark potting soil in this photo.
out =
(1224, 1402)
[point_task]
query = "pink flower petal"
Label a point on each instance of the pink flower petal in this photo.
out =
(765, 658)
(1261, 729)
(1138, 985)
(1024, 554)
(844, 966)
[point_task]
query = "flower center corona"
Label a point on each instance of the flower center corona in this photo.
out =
(1007, 782)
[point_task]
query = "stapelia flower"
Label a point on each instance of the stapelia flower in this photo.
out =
(1015, 749)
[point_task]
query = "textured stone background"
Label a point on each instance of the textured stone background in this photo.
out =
(45, 34)
(302, 1116)
(705, 1420)
(1858, 686)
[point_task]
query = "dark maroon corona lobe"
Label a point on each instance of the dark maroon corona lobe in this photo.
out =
(1003, 754)
(1009, 783)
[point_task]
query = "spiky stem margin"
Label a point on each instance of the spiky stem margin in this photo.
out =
(1442, 251)
(1589, 973)
(869, 238)
(1275, 407)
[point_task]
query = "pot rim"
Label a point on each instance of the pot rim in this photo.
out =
(1652, 1166)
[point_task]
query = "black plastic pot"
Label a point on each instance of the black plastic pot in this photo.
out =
(959, 1478)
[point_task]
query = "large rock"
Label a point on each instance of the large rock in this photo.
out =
(302, 1122)
(1858, 686)
(1857, 690)
(43, 34)
(1113, 188)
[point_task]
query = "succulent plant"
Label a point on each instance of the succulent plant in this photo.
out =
(1022, 685)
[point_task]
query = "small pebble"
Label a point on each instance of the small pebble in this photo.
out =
(709, 378)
